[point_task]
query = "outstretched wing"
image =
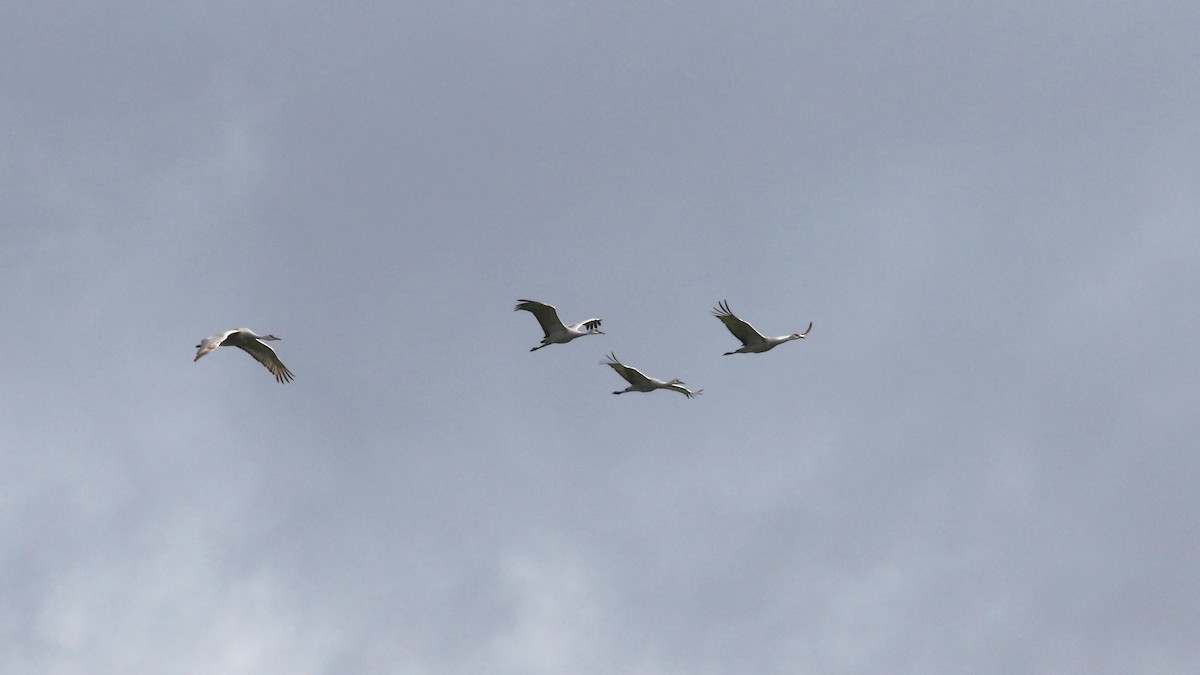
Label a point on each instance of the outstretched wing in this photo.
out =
(632, 375)
(209, 344)
(589, 324)
(684, 390)
(546, 315)
(267, 356)
(740, 329)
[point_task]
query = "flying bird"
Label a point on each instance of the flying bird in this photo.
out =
(552, 326)
(639, 382)
(252, 344)
(753, 342)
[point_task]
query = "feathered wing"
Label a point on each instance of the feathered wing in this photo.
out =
(206, 345)
(589, 324)
(740, 329)
(632, 375)
(209, 344)
(685, 391)
(546, 315)
(267, 356)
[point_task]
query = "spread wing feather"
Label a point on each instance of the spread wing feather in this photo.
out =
(267, 356)
(740, 329)
(244, 339)
(632, 375)
(685, 391)
(589, 324)
(546, 315)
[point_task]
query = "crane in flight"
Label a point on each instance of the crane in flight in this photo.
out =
(753, 342)
(251, 343)
(552, 326)
(639, 382)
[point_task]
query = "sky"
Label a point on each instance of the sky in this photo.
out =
(982, 460)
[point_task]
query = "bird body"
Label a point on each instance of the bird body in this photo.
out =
(251, 343)
(552, 326)
(639, 382)
(753, 342)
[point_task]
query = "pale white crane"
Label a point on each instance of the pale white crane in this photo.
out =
(639, 382)
(552, 326)
(252, 344)
(753, 342)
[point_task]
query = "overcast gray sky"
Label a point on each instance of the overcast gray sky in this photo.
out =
(983, 459)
